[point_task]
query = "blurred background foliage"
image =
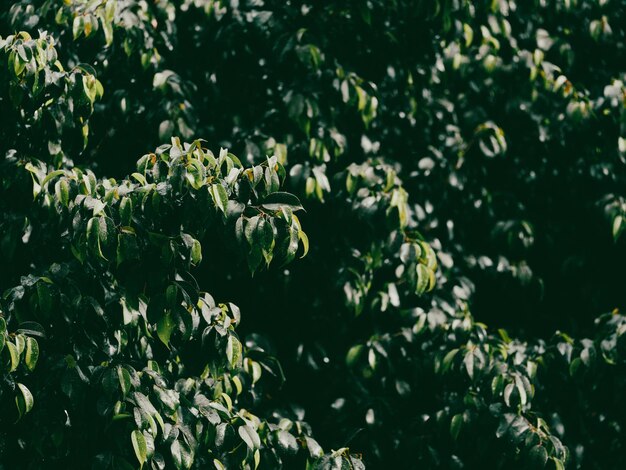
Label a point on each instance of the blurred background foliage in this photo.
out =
(461, 167)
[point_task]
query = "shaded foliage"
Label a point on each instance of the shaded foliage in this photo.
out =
(450, 156)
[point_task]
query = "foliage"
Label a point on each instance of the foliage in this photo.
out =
(449, 155)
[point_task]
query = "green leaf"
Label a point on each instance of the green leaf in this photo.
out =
(468, 34)
(169, 398)
(32, 353)
(257, 458)
(504, 335)
(89, 87)
(20, 344)
(315, 450)
(77, 26)
(251, 229)
(139, 445)
(280, 150)
(239, 229)
(287, 442)
(51, 175)
(265, 234)
(165, 327)
(292, 243)
(126, 211)
(125, 380)
(24, 400)
(21, 50)
(275, 201)
(220, 197)
(508, 392)
(618, 223)
(233, 350)
(371, 358)
(44, 297)
(144, 403)
(468, 360)
(447, 360)
(127, 248)
(196, 252)
(538, 456)
(305, 242)
(96, 231)
(574, 366)
(496, 385)
(62, 192)
(455, 426)
(196, 174)
(18, 65)
(423, 279)
(521, 390)
(227, 400)
(14, 355)
(256, 372)
(353, 354)
(181, 455)
(31, 328)
(249, 435)
(254, 259)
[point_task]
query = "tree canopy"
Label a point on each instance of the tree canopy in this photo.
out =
(322, 235)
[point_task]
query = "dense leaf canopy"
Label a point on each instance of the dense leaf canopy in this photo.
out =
(290, 234)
